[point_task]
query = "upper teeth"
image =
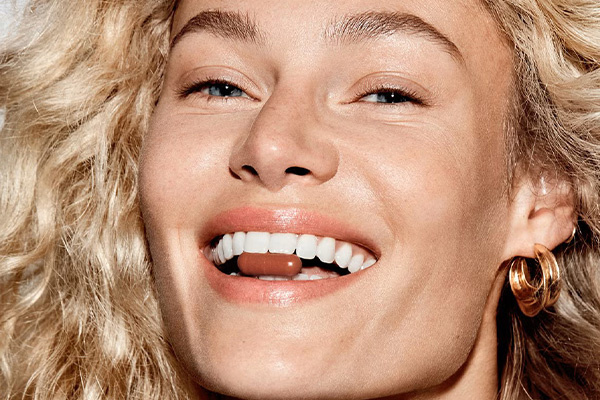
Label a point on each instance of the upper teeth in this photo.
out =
(326, 249)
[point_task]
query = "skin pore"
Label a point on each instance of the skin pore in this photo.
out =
(385, 116)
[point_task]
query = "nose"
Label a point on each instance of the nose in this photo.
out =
(286, 144)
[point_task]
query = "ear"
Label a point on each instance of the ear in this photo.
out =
(541, 211)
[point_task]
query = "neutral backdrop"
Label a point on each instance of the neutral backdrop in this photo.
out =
(8, 13)
(9, 10)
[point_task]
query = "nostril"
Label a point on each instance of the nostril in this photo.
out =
(297, 171)
(250, 170)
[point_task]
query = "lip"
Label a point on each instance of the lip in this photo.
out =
(246, 290)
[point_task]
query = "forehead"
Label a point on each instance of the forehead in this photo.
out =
(470, 30)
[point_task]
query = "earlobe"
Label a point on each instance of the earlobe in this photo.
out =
(541, 211)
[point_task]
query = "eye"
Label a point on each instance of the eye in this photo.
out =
(386, 97)
(213, 88)
(389, 95)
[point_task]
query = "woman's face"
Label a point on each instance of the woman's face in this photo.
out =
(376, 123)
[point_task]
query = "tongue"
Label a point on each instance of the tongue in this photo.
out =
(269, 264)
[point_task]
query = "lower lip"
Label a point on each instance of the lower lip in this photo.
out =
(245, 290)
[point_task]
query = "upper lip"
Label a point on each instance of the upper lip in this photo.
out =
(284, 220)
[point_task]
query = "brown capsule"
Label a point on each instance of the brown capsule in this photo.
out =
(269, 264)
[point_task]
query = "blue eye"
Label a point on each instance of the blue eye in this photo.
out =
(213, 88)
(389, 97)
(219, 89)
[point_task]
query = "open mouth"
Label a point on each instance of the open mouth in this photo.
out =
(286, 256)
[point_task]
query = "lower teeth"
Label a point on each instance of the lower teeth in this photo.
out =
(298, 277)
(274, 278)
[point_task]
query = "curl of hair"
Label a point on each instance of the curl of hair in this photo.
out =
(78, 312)
(556, 130)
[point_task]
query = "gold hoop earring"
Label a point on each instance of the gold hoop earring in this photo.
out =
(534, 293)
(570, 239)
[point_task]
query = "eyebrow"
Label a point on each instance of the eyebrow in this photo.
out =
(225, 24)
(374, 25)
(351, 28)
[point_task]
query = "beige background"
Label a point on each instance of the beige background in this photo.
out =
(9, 10)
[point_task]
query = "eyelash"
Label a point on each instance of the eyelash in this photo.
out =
(197, 86)
(409, 95)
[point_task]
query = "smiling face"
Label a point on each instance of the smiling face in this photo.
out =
(376, 124)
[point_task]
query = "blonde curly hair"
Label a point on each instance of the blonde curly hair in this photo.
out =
(78, 312)
(556, 129)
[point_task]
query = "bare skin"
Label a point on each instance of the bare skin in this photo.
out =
(399, 135)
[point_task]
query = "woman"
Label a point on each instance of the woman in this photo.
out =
(279, 199)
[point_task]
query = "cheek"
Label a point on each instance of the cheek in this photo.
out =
(182, 160)
(446, 209)
(172, 177)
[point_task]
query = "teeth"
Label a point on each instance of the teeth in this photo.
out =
(343, 255)
(301, 277)
(274, 278)
(257, 242)
(326, 249)
(356, 263)
(368, 263)
(220, 255)
(227, 247)
(283, 243)
(239, 238)
(307, 247)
